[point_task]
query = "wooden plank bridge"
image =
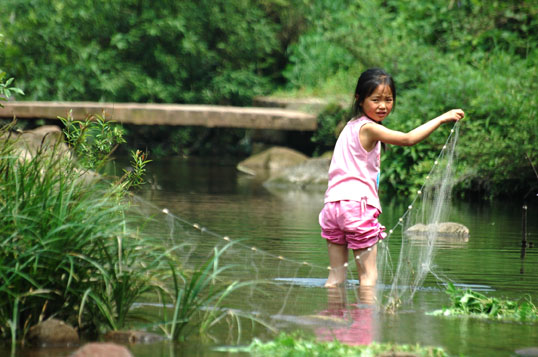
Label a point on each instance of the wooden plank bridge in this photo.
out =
(166, 114)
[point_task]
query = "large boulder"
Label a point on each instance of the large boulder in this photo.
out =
(311, 174)
(47, 140)
(53, 332)
(271, 160)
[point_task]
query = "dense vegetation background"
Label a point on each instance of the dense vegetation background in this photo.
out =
(475, 54)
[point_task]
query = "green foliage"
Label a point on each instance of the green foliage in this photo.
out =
(71, 248)
(6, 88)
(129, 50)
(92, 140)
(330, 120)
(135, 176)
(471, 28)
(473, 304)
(476, 55)
(51, 245)
(296, 345)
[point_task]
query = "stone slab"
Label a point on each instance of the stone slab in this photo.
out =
(166, 114)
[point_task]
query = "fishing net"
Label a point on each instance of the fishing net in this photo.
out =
(288, 287)
(420, 228)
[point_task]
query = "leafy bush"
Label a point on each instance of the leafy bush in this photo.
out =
(182, 52)
(490, 76)
(470, 28)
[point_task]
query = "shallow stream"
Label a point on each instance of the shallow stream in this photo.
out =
(284, 226)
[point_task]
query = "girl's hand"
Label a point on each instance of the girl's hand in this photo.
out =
(452, 115)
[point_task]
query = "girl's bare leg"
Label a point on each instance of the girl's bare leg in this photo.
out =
(336, 298)
(367, 294)
(366, 265)
(338, 255)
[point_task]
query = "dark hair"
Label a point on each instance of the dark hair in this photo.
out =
(368, 81)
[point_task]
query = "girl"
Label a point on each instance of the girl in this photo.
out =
(349, 216)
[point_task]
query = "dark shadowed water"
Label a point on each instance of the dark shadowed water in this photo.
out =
(284, 224)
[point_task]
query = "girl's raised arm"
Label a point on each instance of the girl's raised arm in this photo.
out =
(370, 134)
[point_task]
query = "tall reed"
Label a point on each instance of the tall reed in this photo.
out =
(69, 249)
(198, 299)
(62, 241)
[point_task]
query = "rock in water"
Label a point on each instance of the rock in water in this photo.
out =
(445, 229)
(312, 173)
(102, 349)
(53, 332)
(272, 160)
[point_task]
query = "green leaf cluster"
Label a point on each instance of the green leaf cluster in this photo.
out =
(7, 88)
(296, 345)
(474, 304)
(93, 140)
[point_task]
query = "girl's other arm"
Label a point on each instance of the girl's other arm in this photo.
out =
(370, 134)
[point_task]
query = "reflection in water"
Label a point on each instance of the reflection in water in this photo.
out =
(359, 317)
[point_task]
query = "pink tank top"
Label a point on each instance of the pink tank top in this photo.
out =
(354, 172)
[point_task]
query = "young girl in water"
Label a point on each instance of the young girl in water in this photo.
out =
(349, 216)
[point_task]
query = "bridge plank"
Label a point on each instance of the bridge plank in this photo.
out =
(166, 114)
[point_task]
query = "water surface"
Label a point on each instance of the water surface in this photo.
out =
(279, 242)
(284, 224)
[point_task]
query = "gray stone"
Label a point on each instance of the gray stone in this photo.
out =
(271, 160)
(310, 174)
(443, 229)
(102, 349)
(49, 140)
(53, 332)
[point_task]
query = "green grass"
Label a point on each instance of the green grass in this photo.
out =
(298, 345)
(71, 248)
(476, 305)
(63, 242)
(198, 296)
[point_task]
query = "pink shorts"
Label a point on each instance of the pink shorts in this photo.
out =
(351, 223)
